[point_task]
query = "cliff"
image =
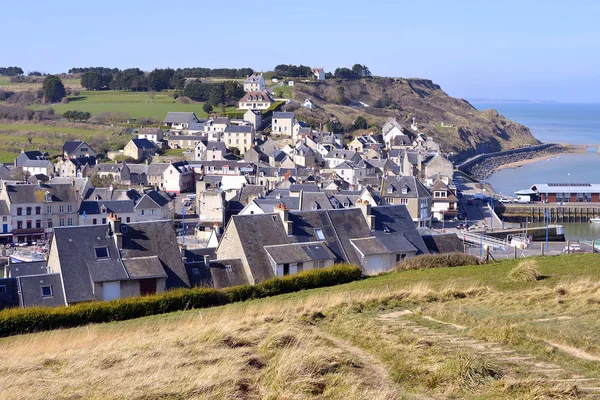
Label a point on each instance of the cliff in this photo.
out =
(458, 126)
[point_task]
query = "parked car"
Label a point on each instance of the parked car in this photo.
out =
(504, 200)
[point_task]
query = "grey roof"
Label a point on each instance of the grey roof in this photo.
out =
(10, 298)
(283, 115)
(149, 131)
(78, 263)
(109, 167)
(216, 146)
(196, 126)
(153, 199)
(239, 129)
(221, 121)
(156, 169)
(106, 194)
(315, 201)
(180, 117)
(251, 191)
(36, 163)
(71, 147)
(343, 154)
(254, 78)
(144, 267)
(112, 206)
(143, 144)
(297, 187)
(255, 232)
(443, 243)
(396, 220)
(226, 273)
(156, 238)
(393, 186)
(369, 246)
(4, 208)
(28, 268)
(31, 290)
(35, 193)
(278, 155)
(175, 138)
(268, 205)
(256, 96)
(299, 252)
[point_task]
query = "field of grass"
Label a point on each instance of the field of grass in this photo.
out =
(5, 84)
(284, 91)
(365, 340)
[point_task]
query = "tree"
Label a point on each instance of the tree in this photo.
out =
(361, 71)
(53, 89)
(177, 81)
(360, 123)
(11, 71)
(207, 107)
(95, 81)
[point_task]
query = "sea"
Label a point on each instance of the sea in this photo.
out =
(572, 123)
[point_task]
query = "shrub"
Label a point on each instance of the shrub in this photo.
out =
(17, 321)
(446, 260)
(526, 271)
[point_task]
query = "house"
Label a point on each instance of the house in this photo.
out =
(74, 167)
(255, 118)
(37, 167)
(319, 73)
(210, 205)
(29, 155)
(255, 155)
(443, 203)
(6, 227)
(256, 101)
(155, 135)
(214, 127)
(154, 205)
(239, 137)
(185, 141)
(282, 123)
(77, 149)
(437, 165)
(178, 121)
(308, 104)
(364, 142)
(96, 212)
(115, 260)
(337, 156)
(303, 156)
(119, 172)
(409, 191)
(254, 83)
(392, 130)
(197, 128)
(37, 209)
(177, 177)
(139, 149)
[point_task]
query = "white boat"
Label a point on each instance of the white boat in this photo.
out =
(19, 257)
(595, 220)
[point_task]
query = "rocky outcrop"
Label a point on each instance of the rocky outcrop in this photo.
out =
(459, 127)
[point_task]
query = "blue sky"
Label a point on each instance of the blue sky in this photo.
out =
(547, 50)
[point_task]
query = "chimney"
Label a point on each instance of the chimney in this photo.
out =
(283, 213)
(115, 226)
(365, 207)
(217, 227)
(73, 182)
(206, 261)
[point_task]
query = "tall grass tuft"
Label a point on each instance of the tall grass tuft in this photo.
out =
(428, 261)
(525, 271)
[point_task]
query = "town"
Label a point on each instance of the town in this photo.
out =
(254, 198)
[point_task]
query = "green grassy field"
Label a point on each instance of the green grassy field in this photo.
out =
(448, 333)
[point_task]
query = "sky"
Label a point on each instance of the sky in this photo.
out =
(503, 49)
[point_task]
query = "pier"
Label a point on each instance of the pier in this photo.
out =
(570, 212)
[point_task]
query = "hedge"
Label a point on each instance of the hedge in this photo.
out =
(427, 261)
(35, 319)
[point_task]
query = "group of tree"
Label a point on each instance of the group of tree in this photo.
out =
(293, 70)
(215, 73)
(77, 115)
(11, 71)
(53, 89)
(214, 93)
(356, 72)
(96, 81)
(360, 123)
(18, 113)
(35, 73)
(100, 70)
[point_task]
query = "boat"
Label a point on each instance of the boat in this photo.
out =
(595, 220)
(21, 257)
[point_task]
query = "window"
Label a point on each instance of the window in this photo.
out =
(440, 194)
(70, 222)
(28, 210)
(128, 219)
(19, 224)
(103, 221)
(61, 222)
(142, 212)
(29, 224)
(103, 209)
(69, 208)
(400, 258)
(319, 234)
(123, 229)
(38, 210)
(49, 223)
(38, 223)
(19, 211)
(101, 252)
(403, 201)
(195, 271)
(4, 218)
(49, 210)
(47, 291)
(404, 190)
(2, 288)
(389, 200)
(94, 221)
(61, 209)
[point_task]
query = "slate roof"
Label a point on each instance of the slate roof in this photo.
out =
(178, 138)
(144, 267)
(31, 290)
(180, 117)
(254, 78)
(255, 232)
(36, 163)
(396, 220)
(315, 201)
(71, 147)
(4, 208)
(35, 193)
(256, 96)
(369, 246)
(197, 126)
(112, 206)
(149, 131)
(239, 129)
(299, 252)
(251, 190)
(304, 187)
(415, 188)
(226, 273)
(143, 144)
(283, 115)
(342, 154)
(109, 167)
(106, 194)
(216, 146)
(443, 243)
(268, 205)
(156, 238)
(9, 299)
(28, 268)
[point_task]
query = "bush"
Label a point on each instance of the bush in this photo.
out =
(446, 260)
(526, 271)
(18, 321)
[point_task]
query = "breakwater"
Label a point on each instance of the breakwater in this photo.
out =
(484, 165)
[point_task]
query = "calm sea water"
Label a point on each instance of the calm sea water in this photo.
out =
(554, 122)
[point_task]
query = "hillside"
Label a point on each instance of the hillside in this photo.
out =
(472, 131)
(466, 332)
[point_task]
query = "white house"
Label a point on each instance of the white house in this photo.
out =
(283, 123)
(319, 73)
(256, 101)
(308, 104)
(391, 130)
(152, 134)
(255, 118)
(254, 83)
(240, 137)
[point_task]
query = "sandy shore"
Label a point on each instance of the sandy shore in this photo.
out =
(529, 161)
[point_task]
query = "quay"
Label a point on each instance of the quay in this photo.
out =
(569, 212)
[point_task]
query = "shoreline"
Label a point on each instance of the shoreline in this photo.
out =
(520, 163)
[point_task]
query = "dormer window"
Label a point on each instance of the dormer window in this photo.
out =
(103, 209)
(47, 197)
(405, 190)
(98, 197)
(390, 190)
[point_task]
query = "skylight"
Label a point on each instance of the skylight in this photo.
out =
(101, 252)
(319, 234)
